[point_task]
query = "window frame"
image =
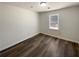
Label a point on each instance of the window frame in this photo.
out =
(51, 27)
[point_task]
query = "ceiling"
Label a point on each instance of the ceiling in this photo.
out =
(35, 6)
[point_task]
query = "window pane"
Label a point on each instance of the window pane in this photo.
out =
(54, 25)
(54, 22)
(54, 19)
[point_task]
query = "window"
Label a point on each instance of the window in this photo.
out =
(54, 21)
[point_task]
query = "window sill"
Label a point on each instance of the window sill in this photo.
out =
(54, 28)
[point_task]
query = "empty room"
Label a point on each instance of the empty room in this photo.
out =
(39, 29)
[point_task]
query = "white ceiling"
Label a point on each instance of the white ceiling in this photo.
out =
(35, 6)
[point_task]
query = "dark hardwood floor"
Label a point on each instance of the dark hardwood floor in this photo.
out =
(43, 46)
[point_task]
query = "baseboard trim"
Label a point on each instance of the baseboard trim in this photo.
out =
(64, 38)
(19, 43)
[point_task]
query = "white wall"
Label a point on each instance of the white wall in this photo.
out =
(16, 25)
(68, 23)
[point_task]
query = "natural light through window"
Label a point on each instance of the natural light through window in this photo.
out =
(54, 21)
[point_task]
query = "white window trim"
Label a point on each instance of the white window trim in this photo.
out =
(50, 27)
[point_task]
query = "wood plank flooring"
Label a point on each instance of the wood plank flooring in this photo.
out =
(43, 46)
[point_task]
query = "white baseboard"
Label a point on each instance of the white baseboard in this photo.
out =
(62, 37)
(18, 42)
